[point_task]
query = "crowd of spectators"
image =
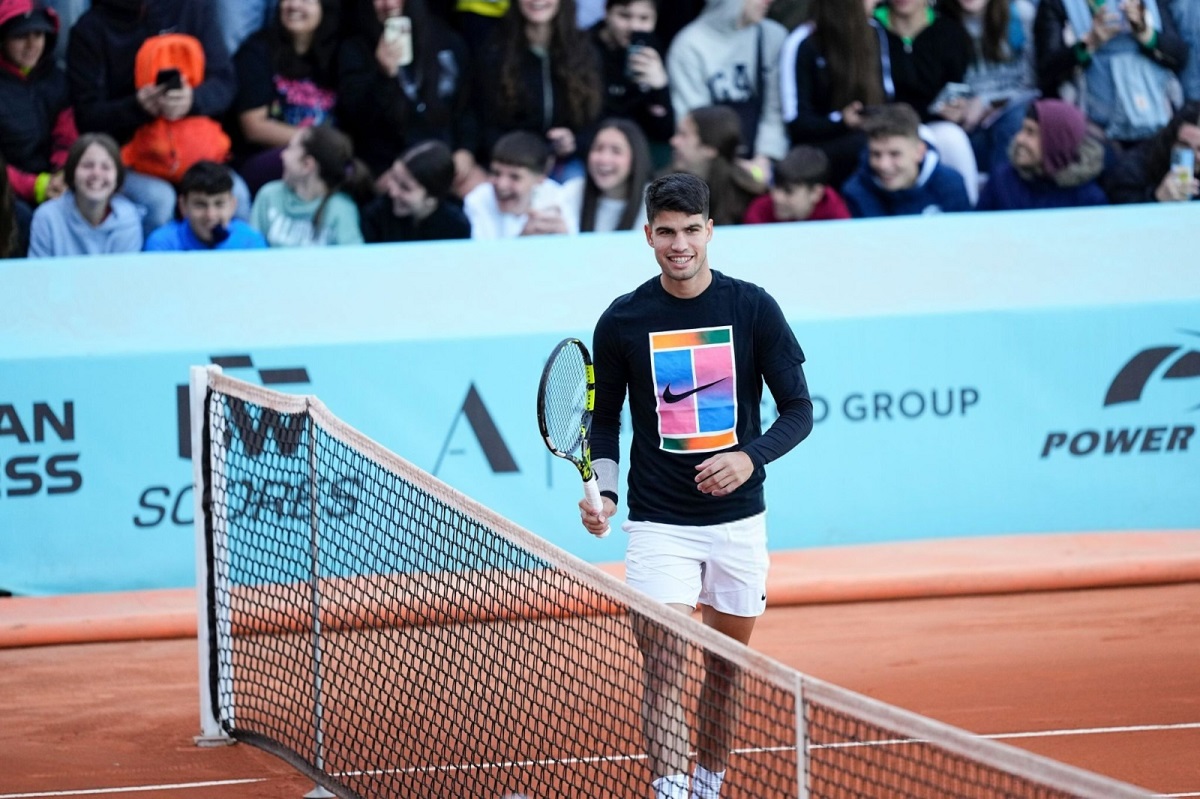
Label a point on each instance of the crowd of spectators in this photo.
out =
(222, 124)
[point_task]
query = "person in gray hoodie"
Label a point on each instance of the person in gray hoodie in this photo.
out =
(729, 55)
(89, 218)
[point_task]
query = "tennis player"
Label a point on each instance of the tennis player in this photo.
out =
(691, 348)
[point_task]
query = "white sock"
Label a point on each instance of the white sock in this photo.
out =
(672, 786)
(706, 784)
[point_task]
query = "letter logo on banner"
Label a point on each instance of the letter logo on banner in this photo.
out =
(1131, 381)
(498, 455)
(158, 503)
(1159, 363)
(27, 475)
(294, 375)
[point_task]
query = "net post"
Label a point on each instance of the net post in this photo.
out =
(315, 577)
(211, 733)
(801, 740)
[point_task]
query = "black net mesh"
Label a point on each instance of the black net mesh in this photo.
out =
(852, 757)
(367, 625)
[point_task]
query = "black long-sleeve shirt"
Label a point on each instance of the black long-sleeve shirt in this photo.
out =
(694, 371)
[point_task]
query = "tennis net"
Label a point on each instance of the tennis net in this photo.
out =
(390, 637)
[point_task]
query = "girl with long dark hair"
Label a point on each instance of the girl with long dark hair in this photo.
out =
(287, 80)
(838, 71)
(540, 73)
(1001, 74)
(609, 195)
(397, 89)
(706, 144)
(316, 202)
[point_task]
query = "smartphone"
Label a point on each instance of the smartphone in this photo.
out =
(1183, 166)
(638, 41)
(169, 79)
(398, 30)
(1113, 7)
(950, 93)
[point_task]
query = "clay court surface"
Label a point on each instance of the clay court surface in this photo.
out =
(1104, 678)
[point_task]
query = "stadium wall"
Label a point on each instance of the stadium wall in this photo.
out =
(973, 375)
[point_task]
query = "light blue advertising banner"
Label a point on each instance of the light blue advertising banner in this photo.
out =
(965, 415)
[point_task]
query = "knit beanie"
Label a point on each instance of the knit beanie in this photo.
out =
(1063, 129)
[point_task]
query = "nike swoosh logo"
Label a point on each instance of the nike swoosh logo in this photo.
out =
(670, 397)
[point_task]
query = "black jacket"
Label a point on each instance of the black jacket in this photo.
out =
(650, 109)
(32, 106)
(938, 55)
(379, 224)
(431, 99)
(538, 92)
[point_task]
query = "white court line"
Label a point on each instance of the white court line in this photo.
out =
(1000, 736)
(622, 758)
(179, 786)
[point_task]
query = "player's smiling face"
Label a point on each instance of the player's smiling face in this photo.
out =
(680, 243)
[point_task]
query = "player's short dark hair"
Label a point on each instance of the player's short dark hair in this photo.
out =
(206, 177)
(522, 148)
(678, 191)
(892, 119)
(75, 155)
(802, 166)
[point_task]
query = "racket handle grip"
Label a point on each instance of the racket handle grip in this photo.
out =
(591, 492)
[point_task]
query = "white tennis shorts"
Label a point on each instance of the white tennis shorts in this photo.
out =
(723, 566)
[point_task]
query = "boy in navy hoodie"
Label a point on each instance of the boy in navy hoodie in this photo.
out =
(902, 173)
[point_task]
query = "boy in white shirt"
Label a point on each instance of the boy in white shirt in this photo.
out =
(518, 199)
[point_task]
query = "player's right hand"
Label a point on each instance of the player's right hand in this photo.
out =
(597, 523)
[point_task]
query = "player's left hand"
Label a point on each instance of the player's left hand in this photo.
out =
(721, 474)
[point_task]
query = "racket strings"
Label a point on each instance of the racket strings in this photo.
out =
(566, 401)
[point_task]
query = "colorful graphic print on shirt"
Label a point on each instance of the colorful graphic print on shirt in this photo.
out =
(696, 389)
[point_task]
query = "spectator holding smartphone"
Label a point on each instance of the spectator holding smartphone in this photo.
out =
(101, 59)
(635, 77)
(1116, 60)
(1145, 174)
(404, 78)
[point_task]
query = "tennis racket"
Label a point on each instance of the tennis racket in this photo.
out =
(566, 397)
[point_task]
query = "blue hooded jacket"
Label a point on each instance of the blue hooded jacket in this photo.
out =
(938, 188)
